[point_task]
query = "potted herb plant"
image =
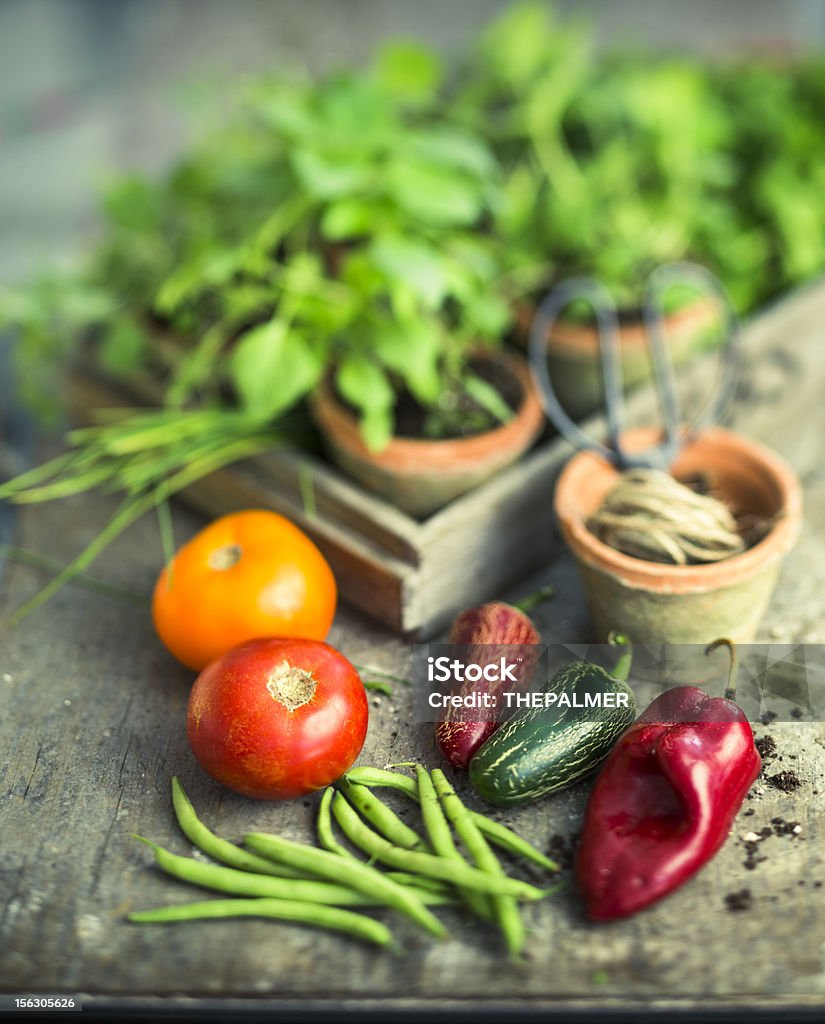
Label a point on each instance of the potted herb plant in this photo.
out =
(325, 242)
(601, 179)
(390, 317)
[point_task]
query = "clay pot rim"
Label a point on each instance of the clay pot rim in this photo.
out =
(334, 419)
(680, 579)
(580, 341)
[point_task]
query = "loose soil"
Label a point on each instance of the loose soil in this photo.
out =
(561, 849)
(786, 782)
(740, 900)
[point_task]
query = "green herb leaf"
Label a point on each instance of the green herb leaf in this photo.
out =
(328, 177)
(272, 367)
(452, 148)
(124, 348)
(516, 43)
(366, 387)
(408, 71)
(348, 218)
(434, 195)
(412, 349)
(488, 398)
(412, 262)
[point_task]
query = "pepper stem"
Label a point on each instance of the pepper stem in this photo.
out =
(733, 671)
(622, 668)
(531, 600)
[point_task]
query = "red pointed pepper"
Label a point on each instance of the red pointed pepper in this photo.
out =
(665, 799)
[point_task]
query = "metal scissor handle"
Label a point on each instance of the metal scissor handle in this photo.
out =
(607, 320)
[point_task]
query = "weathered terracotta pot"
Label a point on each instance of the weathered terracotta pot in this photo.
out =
(420, 476)
(652, 602)
(574, 362)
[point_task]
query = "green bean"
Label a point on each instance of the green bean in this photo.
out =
(285, 910)
(511, 841)
(419, 881)
(359, 876)
(385, 820)
(366, 776)
(221, 849)
(326, 837)
(441, 840)
(245, 883)
(497, 833)
(505, 907)
(377, 686)
(424, 863)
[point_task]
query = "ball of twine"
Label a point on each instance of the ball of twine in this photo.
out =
(650, 515)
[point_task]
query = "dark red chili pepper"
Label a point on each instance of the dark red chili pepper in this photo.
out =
(665, 799)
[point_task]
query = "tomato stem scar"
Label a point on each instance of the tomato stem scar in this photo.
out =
(225, 557)
(291, 686)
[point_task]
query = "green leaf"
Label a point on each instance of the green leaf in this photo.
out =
(409, 71)
(133, 203)
(516, 44)
(482, 392)
(284, 106)
(490, 315)
(272, 367)
(376, 428)
(354, 114)
(412, 349)
(452, 148)
(208, 269)
(348, 218)
(326, 177)
(123, 349)
(363, 384)
(434, 196)
(413, 263)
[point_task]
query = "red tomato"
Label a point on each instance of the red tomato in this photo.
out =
(276, 718)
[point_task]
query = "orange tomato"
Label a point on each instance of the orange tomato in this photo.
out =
(246, 575)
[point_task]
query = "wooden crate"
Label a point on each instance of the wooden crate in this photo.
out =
(409, 574)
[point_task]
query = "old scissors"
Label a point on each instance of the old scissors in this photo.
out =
(675, 432)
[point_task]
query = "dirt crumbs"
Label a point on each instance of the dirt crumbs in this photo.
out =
(785, 828)
(766, 746)
(752, 841)
(561, 849)
(786, 781)
(741, 900)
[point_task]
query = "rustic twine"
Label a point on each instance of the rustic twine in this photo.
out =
(648, 514)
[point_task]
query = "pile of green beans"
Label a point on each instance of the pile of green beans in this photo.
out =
(273, 877)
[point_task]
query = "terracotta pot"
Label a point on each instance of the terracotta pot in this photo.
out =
(652, 602)
(575, 365)
(420, 476)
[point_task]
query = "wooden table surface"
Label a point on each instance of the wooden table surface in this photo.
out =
(92, 729)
